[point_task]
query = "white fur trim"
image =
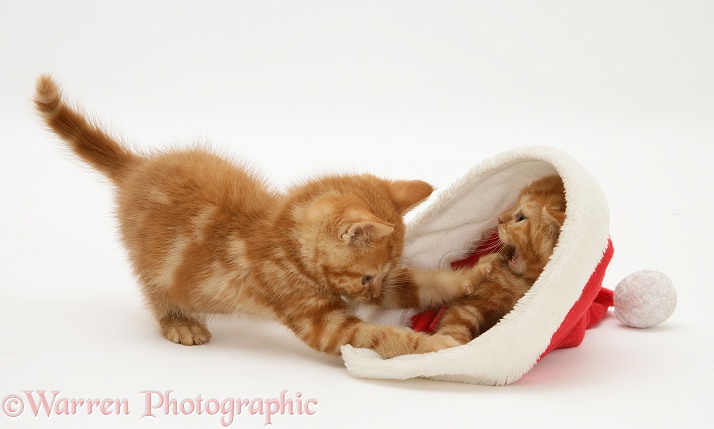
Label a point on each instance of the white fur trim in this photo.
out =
(444, 232)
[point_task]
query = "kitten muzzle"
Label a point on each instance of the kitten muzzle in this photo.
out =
(513, 258)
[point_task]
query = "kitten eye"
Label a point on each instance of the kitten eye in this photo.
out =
(367, 278)
(520, 217)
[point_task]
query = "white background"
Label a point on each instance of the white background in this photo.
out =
(407, 89)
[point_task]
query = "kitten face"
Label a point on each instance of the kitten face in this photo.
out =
(352, 238)
(362, 279)
(530, 231)
(361, 250)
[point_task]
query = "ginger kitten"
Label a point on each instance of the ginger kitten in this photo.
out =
(529, 232)
(204, 236)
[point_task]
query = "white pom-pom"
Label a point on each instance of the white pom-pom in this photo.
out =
(644, 299)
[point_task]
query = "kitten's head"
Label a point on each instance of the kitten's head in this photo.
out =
(530, 229)
(349, 232)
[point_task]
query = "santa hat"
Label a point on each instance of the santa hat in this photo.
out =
(567, 298)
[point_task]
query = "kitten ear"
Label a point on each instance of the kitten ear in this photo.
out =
(361, 227)
(558, 215)
(553, 220)
(409, 193)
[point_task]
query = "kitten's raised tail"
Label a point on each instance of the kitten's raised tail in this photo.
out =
(87, 140)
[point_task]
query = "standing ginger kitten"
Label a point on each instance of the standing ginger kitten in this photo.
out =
(204, 236)
(529, 232)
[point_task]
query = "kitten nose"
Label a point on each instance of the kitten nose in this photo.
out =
(376, 291)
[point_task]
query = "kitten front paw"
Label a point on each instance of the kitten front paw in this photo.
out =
(188, 333)
(436, 342)
(476, 275)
